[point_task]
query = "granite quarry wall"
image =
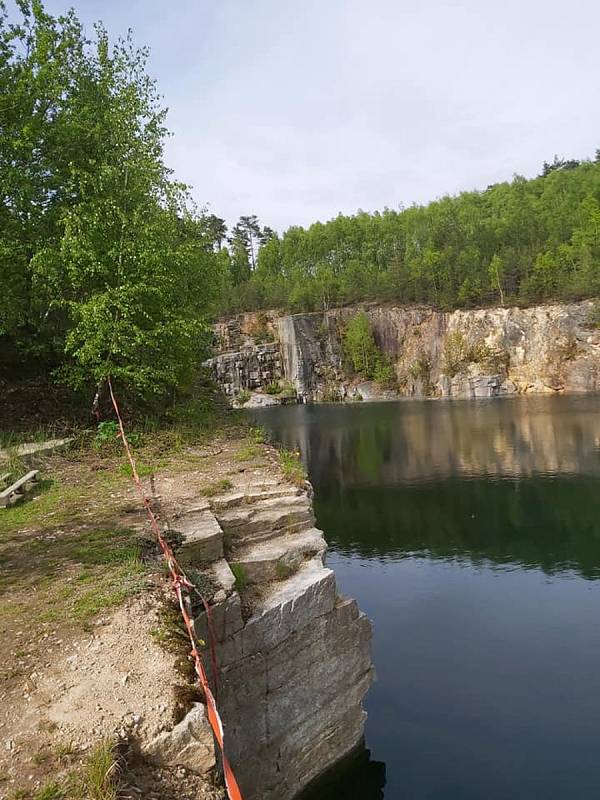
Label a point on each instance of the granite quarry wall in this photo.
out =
(466, 353)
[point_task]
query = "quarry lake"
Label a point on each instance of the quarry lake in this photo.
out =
(469, 532)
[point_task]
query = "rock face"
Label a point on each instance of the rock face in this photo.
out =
(474, 353)
(293, 655)
(251, 367)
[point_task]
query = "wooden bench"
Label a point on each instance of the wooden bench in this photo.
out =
(17, 489)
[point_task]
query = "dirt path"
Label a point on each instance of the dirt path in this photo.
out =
(90, 646)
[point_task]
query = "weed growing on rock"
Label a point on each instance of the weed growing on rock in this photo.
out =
(285, 569)
(247, 453)
(592, 319)
(243, 397)
(258, 435)
(456, 354)
(292, 467)
(239, 574)
(218, 487)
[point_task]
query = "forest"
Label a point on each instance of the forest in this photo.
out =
(518, 242)
(108, 268)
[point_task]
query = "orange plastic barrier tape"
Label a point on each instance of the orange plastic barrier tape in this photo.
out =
(180, 581)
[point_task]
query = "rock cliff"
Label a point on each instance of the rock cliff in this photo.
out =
(293, 655)
(466, 353)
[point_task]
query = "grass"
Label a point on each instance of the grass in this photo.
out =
(101, 772)
(12, 439)
(51, 791)
(111, 590)
(218, 487)
(258, 435)
(13, 463)
(239, 573)
(248, 453)
(292, 467)
(64, 750)
(75, 575)
(98, 779)
(53, 503)
(284, 570)
(40, 757)
(142, 469)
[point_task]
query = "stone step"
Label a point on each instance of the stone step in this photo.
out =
(267, 519)
(252, 495)
(277, 559)
(202, 536)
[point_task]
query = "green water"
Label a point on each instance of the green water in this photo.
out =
(469, 532)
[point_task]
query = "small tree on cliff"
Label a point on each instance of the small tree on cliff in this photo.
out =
(359, 346)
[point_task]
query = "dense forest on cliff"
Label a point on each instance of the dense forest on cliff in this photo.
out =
(521, 241)
(107, 267)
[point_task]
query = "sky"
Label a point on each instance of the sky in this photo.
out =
(296, 111)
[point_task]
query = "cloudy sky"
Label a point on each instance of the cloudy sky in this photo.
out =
(296, 111)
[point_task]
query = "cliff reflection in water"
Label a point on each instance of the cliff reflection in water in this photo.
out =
(507, 481)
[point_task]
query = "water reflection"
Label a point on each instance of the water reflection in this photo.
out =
(552, 524)
(470, 534)
(411, 441)
(511, 482)
(359, 779)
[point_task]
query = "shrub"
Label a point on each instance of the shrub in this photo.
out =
(359, 346)
(455, 356)
(108, 436)
(106, 433)
(592, 319)
(243, 397)
(258, 435)
(494, 359)
(331, 394)
(272, 388)
(287, 389)
(384, 373)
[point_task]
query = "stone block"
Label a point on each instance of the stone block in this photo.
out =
(202, 536)
(289, 606)
(278, 558)
(226, 620)
(189, 744)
